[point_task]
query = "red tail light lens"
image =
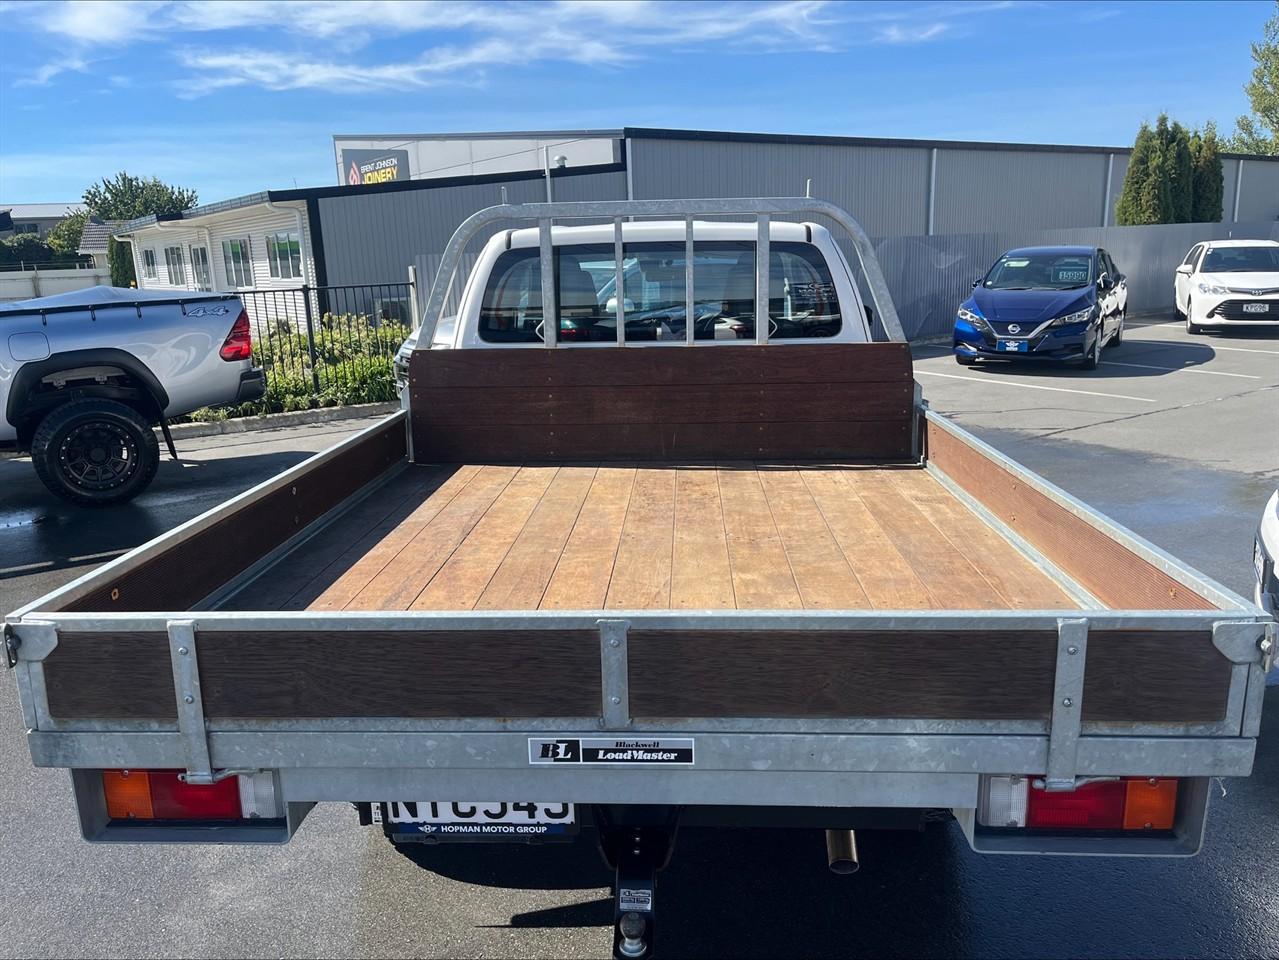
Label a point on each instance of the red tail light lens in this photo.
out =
(238, 344)
(1094, 806)
(160, 795)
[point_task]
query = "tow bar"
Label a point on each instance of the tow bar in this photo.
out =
(636, 847)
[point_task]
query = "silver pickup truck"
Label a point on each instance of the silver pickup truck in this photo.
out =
(85, 375)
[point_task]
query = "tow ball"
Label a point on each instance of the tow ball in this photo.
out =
(636, 850)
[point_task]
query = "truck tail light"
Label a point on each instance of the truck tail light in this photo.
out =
(1131, 803)
(1093, 806)
(160, 795)
(238, 344)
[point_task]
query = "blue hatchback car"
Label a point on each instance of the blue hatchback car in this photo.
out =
(1061, 304)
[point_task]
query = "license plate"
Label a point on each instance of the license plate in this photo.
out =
(463, 819)
(1259, 562)
(1014, 346)
(1256, 308)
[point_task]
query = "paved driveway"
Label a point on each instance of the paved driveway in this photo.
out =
(1174, 437)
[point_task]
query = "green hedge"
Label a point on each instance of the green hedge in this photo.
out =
(353, 364)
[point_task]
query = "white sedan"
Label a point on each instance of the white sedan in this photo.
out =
(1265, 555)
(1228, 282)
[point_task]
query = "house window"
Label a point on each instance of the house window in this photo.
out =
(148, 264)
(173, 264)
(284, 251)
(26, 228)
(200, 268)
(238, 263)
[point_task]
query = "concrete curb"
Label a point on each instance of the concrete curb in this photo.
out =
(275, 421)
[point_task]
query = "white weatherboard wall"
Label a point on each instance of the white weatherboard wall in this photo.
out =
(254, 223)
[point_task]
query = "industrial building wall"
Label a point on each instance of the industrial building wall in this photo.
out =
(375, 237)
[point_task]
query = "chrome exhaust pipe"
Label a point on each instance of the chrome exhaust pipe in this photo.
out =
(841, 851)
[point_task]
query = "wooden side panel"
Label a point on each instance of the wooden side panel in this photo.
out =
(823, 401)
(1132, 676)
(1106, 568)
(337, 673)
(193, 568)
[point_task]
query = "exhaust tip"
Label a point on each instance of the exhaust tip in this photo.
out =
(841, 851)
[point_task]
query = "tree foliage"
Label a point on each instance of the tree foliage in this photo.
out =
(126, 197)
(120, 263)
(64, 238)
(1259, 133)
(1209, 184)
(1168, 167)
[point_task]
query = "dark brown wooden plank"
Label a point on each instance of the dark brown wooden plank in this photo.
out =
(726, 403)
(196, 566)
(656, 366)
(400, 674)
(841, 674)
(1134, 676)
(1104, 567)
(878, 441)
(111, 676)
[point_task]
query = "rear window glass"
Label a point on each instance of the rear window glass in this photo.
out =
(802, 298)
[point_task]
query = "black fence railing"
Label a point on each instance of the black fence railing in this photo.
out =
(328, 346)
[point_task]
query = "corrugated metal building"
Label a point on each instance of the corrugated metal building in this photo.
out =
(939, 211)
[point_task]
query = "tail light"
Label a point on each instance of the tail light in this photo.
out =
(238, 344)
(1130, 803)
(162, 795)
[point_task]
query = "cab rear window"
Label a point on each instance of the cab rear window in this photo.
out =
(802, 299)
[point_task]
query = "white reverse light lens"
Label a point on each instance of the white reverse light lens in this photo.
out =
(1001, 801)
(258, 797)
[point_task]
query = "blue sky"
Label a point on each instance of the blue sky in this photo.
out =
(233, 97)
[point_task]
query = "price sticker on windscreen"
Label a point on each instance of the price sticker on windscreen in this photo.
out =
(607, 751)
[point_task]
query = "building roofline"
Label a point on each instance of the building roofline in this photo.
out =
(341, 190)
(484, 135)
(661, 133)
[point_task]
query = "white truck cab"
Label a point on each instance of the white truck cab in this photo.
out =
(812, 293)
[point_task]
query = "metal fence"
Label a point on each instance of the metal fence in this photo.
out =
(327, 345)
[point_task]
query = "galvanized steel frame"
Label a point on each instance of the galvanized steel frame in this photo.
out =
(761, 209)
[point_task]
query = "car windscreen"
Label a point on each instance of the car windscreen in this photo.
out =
(1241, 260)
(1039, 271)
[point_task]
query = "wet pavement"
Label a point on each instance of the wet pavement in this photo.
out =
(1188, 465)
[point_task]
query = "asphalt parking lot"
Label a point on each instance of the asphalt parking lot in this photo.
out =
(1174, 436)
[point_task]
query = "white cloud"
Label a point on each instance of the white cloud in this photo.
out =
(464, 41)
(48, 71)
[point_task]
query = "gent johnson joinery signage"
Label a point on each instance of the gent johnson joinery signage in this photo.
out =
(374, 166)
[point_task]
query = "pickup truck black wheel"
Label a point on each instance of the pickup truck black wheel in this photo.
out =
(95, 452)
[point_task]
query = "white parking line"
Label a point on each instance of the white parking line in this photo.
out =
(1034, 386)
(1147, 366)
(1209, 345)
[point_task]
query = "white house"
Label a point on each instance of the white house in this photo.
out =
(249, 243)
